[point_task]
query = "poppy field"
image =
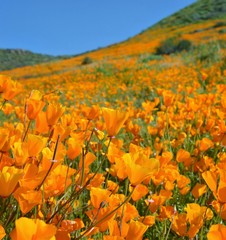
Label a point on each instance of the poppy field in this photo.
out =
(130, 146)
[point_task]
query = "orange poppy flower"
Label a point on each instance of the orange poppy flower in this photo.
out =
(168, 98)
(33, 107)
(184, 157)
(118, 229)
(166, 212)
(139, 191)
(165, 158)
(8, 108)
(32, 176)
(204, 144)
(9, 178)
(179, 224)
(4, 81)
(220, 208)
(114, 120)
(58, 180)
(219, 135)
(2, 232)
(196, 215)
(137, 229)
(218, 188)
(158, 200)
(138, 171)
(27, 199)
(5, 161)
(148, 220)
(128, 212)
(13, 89)
(217, 232)
(114, 152)
(30, 229)
(211, 180)
(91, 112)
(74, 147)
(20, 152)
(72, 225)
(101, 213)
(60, 130)
(41, 125)
(182, 183)
(198, 190)
(119, 168)
(4, 137)
(53, 113)
(47, 157)
(62, 234)
(35, 144)
(99, 196)
(221, 190)
(223, 100)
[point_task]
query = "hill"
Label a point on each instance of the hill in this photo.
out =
(15, 58)
(209, 26)
(207, 17)
(199, 11)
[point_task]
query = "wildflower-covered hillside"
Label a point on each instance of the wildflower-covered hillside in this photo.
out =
(127, 141)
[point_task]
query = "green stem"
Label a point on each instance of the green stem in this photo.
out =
(3, 103)
(53, 161)
(75, 194)
(25, 134)
(84, 153)
(146, 211)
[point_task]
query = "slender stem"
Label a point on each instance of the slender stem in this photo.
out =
(146, 211)
(1, 156)
(83, 167)
(167, 235)
(51, 166)
(3, 103)
(75, 194)
(66, 178)
(100, 165)
(25, 134)
(11, 218)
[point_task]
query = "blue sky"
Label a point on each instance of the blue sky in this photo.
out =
(60, 27)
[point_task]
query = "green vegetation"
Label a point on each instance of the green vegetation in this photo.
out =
(198, 11)
(87, 60)
(15, 58)
(149, 57)
(173, 45)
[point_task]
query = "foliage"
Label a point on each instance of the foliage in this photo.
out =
(86, 60)
(201, 10)
(149, 57)
(173, 45)
(15, 58)
(209, 53)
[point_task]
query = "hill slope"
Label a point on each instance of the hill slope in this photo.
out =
(15, 58)
(199, 11)
(202, 21)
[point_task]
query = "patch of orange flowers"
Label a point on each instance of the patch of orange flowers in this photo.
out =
(134, 153)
